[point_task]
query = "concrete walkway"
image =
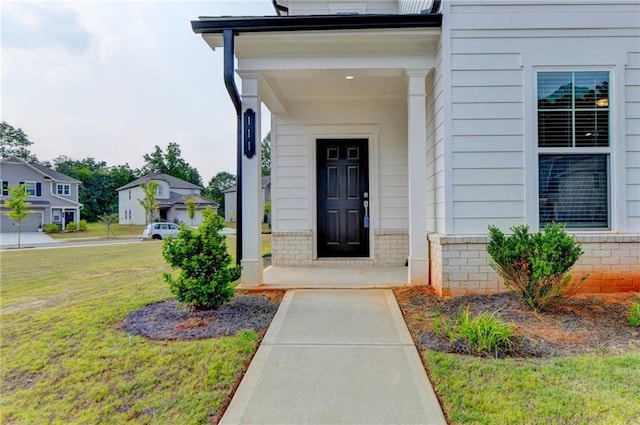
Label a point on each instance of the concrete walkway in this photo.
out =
(335, 357)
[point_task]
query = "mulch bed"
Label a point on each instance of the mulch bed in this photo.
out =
(168, 320)
(582, 324)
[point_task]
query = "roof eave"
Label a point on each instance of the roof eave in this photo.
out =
(215, 25)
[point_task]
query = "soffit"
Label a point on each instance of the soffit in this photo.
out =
(309, 66)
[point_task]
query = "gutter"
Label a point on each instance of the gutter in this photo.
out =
(232, 89)
(279, 8)
(217, 25)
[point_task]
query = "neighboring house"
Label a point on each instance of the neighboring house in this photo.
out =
(53, 196)
(443, 118)
(231, 199)
(171, 194)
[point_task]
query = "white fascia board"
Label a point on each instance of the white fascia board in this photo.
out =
(319, 63)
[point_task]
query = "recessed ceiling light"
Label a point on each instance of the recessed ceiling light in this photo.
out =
(349, 77)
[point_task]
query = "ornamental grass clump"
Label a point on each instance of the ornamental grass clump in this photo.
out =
(484, 334)
(205, 277)
(536, 266)
(634, 314)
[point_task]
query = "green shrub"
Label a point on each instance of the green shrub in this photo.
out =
(535, 266)
(205, 276)
(83, 225)
(51, 228)
(634, 314)
(482, 334)
(71, 227)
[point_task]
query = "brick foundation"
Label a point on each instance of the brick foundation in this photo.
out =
(295, 248)
(391, 247)
(460, 264)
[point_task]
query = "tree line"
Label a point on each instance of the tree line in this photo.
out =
(100, 181)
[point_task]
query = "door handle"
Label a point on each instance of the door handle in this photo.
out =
(366, 211)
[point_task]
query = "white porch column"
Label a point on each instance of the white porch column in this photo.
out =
(417, 139)
(251, 191)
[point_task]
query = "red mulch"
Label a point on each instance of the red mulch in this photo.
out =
(582, 324)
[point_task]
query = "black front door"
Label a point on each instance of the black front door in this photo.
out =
(342, 187)
(68, 217)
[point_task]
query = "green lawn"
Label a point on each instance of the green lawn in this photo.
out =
(99, 230)
(65, 361)
(588, 389)
(266, 244)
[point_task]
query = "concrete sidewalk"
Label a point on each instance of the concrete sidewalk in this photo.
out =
(336, 357)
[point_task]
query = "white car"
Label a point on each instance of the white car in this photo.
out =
(160, 230)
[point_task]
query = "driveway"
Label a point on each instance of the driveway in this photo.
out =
(10, 239)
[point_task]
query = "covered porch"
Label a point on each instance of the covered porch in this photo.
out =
(355, 89)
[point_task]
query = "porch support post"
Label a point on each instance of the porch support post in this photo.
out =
(251, 189)
(417, 151)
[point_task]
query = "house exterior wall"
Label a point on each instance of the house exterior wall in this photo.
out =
(129, 209)
(42, 206)
(491, 63)
(316, 7)
(414, 6)
(435, 162)
(230, 206)
(490, 150)
(293, 159)
(183, 217)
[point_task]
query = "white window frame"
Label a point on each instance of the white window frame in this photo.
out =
(27, 188)
(609, 60)
(63, 189)
(540, 151)
(159, 190)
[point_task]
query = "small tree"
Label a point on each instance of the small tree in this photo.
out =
(149, 202)
(108, 219)
(18, 206)
(192, 206)
(266, 210)
(206, 275)
(535, 266)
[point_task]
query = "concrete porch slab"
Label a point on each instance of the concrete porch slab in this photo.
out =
(320, 277)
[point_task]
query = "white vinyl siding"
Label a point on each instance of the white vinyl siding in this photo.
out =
(323, 7)
(632, 124)
(492, 83)
(414, 6)
(129, 209)
(435, 148)
(293, 160)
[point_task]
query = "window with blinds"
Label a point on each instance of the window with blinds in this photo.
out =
(573, 148)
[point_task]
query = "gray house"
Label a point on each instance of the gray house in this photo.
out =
(171, 193)
(231, 199)
(53, 196)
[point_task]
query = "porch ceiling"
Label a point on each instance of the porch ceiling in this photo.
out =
(312, 66)
(292, 87)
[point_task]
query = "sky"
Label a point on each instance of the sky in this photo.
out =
(110, 80)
